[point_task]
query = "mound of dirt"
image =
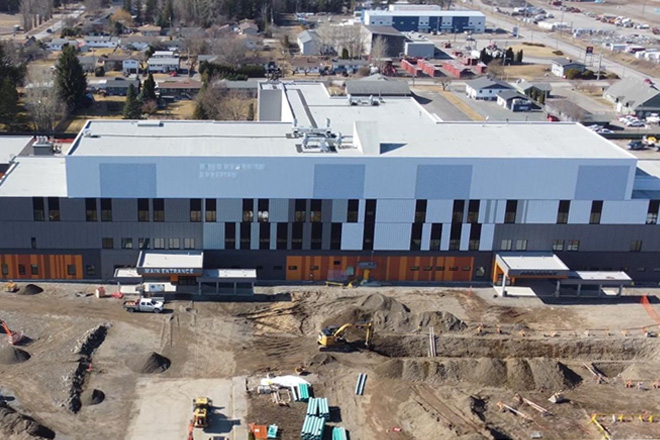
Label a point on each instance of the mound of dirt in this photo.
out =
(442, 321)
(321, 359)
(150, 363)
(30, 289)
(377, 301)
(552, 375)
(640, 371)
(12, 355)
(92, 397)
(17, 425)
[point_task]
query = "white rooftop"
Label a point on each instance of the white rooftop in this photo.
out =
(246, 274)
(427, 13)
(10, 146)
(533, 262)
(171, 259)
(28, 176)
(603, 276)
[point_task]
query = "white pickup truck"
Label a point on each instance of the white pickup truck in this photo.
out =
(144, 305)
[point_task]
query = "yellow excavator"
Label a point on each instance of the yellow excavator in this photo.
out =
(201, 408)
(334, 336)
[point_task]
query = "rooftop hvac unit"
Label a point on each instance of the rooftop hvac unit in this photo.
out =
(150, 123)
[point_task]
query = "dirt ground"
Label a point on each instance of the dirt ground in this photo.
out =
(7, 22)
(489, 350)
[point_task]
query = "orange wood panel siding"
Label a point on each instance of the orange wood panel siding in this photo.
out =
(49, 267)
(391, 268)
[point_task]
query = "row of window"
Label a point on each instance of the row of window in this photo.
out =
(559, 245)
(146, 243)
(34, 269)
(305, 210)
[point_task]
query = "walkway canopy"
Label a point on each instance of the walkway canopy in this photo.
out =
(600, 279)
(532, 265)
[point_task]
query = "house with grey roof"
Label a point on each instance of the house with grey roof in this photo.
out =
(634, 96)
(485, 88)
(309, 43)
(562, 65)
(88, 63)
(377, 85)
(533, 89)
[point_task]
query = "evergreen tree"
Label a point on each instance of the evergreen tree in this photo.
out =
(200, 111)
(138, 11)
(508, 56)
(250, 115)
(132, 106)
(151, 9)
(485, 57)
(8, 101)
(167, 17)
(70, 78)
(519, 57)
(128, 6)
(149, 89)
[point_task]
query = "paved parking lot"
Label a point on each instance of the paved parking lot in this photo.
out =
(494, 112)
(434, 102)
(163, 409)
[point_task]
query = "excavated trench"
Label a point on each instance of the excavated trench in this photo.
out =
(85, 349)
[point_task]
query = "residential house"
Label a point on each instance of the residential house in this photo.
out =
(634, 96)
(150, 30)
(135, 42)
(163, 65)
(101, 42)
(348, 66)
(184, 89)
(164, 54)
(118, 86)
(248, 28)
(114, 62)
(394, 39)
(562, 65)
(533, 90)
(377, 85)
(59, 43)
(485, 88)
(249, 88)
(566, 110)
(208, 58)
(130, 66)
(514, 101)
(309, 43)
(88, 63)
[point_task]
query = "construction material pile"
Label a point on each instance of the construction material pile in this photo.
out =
(513, 373)
(16, 425)
(313, 428)
(390, 315)
(11, 355)
(30, 289)
(318, 406)
(150, 363)
(339, 433)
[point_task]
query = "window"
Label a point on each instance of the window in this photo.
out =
(480, 272)
(107, 243)
(54, 209)
(636, 246)
(466, 268)
(38, 209)
(174, 243)
(420, 211)
(195, 210)
(159, 243)
(453, 268)
(558, 245)
(475, 236)
(596, 210)
(314, 268)
(455, 237)
(368, 236)
(473, 211)
(562, 212)
(5, 270)
(427, 268)
(246, 229)
(315, 213)
(127, 243)
(296, 235)
(416, 237)
(282, 234)
(90, 270)
(457, 211)
(521, 245)
(506, 244)
(436, 236)
(414, 268)
(573, 245)
(293, 268)
(335, 236)
(159, 210)
(90, 210)
(370, 211)
(353, 210)
(652, 214)
(211, 213)
(106, 210)
(230, 235)
(510, 211)
(21, 269)
(317, 235)
(189, 243)
(248, 210)
(262, 213)
(34, 269)
(71, 270)
(33, 242)
(264, 236)
(299, 210)
(143, 243)
(143, 210)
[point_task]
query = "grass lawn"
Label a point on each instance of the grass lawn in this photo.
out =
(535, 51)
(526, 71)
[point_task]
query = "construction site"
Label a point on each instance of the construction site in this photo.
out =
(329, 362)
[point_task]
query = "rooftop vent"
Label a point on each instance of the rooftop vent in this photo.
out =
(150, 123)
(43, 147)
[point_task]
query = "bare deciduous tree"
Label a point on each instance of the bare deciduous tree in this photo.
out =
(379, 52)
(219, 103)
(93, 6)
(42, 100)
(232, 51)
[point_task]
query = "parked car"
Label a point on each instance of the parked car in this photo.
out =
(636, 124)
(604, 131)
(636, 145)
(653, 118)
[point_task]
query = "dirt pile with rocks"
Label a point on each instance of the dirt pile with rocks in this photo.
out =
(321, 359)
(150, 363)
(91, 397)
(17, 425)
(390, 315)
(11, 355)
(513, 373)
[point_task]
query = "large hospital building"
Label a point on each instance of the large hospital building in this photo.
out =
(320, 184)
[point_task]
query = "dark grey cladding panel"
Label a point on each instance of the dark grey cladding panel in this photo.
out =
(128, 180)
(339, 181)
(443, 181)
(602, 182)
